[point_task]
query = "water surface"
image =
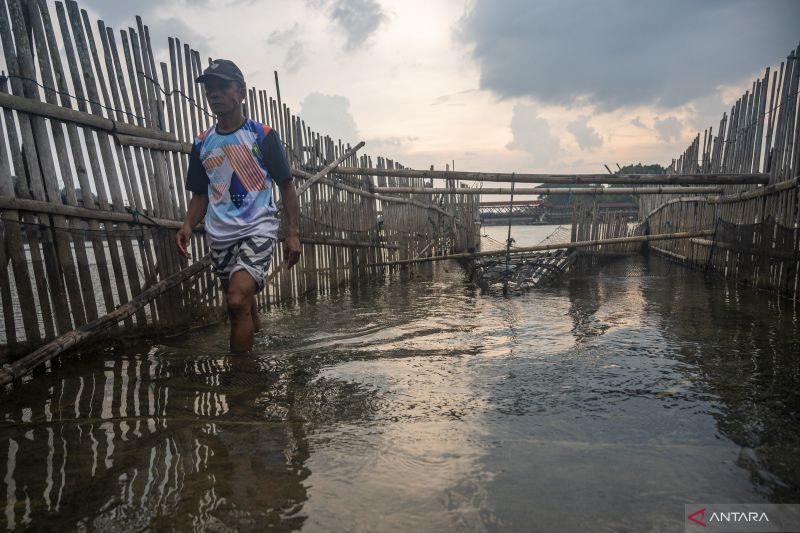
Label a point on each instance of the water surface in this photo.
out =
(602, 403)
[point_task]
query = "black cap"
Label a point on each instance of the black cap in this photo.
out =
(223, 69)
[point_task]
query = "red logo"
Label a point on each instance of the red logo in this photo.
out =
(701, 521)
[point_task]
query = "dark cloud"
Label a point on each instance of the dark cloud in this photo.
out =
(587, 136)
(359, 19)
(638, 122)
(619, 53)
(289, 40)
(329, 114)
(121, 14)
(668, 128)
(532, 134)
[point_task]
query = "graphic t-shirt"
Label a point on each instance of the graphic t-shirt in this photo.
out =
(236, 171)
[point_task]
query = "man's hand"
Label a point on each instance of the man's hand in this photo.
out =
(182, 239)
(194, 213)
(291, 251)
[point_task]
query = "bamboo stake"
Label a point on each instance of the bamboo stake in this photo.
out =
(26, 364)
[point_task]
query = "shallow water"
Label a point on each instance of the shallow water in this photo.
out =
(602, 403)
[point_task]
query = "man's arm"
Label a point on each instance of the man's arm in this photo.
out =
(291, 246)
(194, 214)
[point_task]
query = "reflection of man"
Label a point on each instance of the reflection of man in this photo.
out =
(231, 170)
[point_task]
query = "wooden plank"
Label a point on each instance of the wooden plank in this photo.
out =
(117, 81)
(82, 299)
(78, 159)
(14, 247)
(42, 172)
(88, 56)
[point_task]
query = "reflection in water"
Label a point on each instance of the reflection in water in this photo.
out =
(149, 437)
(424, 405)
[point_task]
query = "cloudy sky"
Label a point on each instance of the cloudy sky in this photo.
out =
(504, 85)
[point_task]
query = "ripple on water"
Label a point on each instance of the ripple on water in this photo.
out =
(425, 405)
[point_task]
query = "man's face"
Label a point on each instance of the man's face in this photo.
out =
(223, 96)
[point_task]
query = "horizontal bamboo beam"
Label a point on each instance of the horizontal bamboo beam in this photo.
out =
(755, 193)
(673, 255)
(346, 242)
(186, 148)
(34, 107)
(366, 194)
(545, 247)
(779, 254)
(154, 144)
(624, 179)
(35, 206)
(57, 346)
(538, 190)
(775, 188)
(682, 199)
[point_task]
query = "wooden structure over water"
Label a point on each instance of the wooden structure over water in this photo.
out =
(93, 155)
(756, 237)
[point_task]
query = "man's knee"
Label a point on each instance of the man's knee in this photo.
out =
(238, 302)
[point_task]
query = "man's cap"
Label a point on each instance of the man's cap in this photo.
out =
(222, 69)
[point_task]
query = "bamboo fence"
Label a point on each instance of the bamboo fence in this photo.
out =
(757, 227)
(94, 149)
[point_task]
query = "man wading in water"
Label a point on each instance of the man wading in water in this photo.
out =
(231, 170)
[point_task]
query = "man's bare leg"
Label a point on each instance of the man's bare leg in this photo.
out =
(240, 291)
(254, 314)
(254, 310)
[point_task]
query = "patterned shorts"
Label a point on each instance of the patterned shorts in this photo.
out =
(252, 254)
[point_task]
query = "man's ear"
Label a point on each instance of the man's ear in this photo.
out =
(242, 92)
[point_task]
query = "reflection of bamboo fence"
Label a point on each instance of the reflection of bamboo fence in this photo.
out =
(92, 158)
(126, 425)
(757, 240)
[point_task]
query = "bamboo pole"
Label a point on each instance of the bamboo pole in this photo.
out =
(35, 206)
(629, 179)
(41, 174)
(539, 190)
(322, 173)
(56, 112)
(544, 247)
(27, 363)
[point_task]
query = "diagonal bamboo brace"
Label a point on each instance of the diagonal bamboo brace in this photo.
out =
(27, 363)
